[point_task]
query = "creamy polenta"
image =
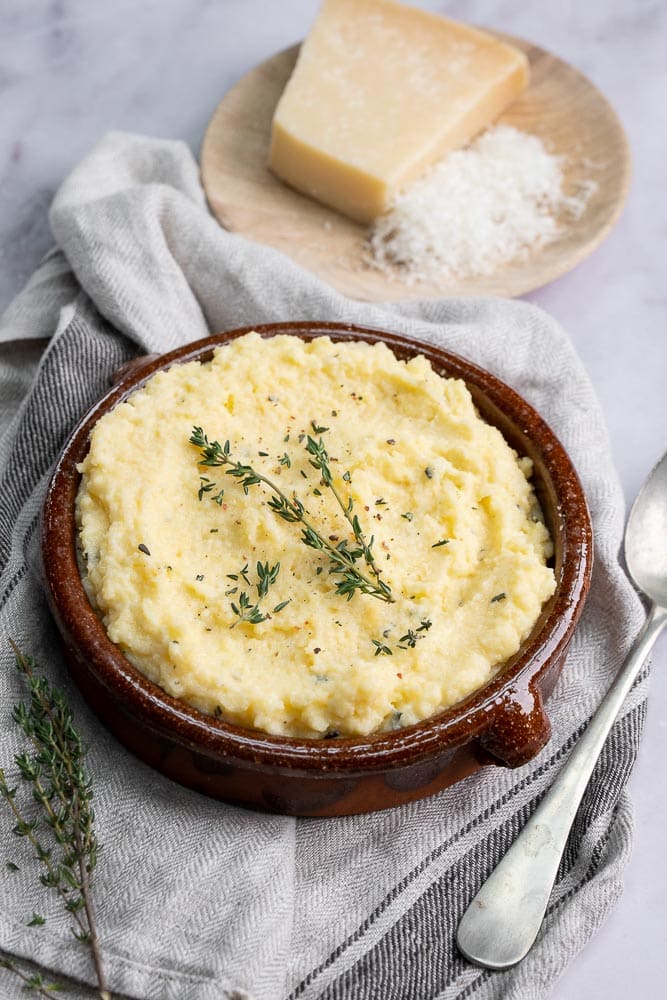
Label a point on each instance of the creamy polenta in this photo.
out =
(171, 547)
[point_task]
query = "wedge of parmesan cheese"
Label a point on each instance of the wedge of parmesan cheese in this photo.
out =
(379, 92)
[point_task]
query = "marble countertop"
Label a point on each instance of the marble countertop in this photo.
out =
(72, 69)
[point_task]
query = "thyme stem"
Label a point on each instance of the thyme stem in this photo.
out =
(31, 982)
(321, 462)
(215, 455)
(339, 556)
(48, 725)
(94, 940)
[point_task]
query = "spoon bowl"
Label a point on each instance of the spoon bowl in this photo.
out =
(646, 536)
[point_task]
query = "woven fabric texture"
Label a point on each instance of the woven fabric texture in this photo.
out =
(198, 899)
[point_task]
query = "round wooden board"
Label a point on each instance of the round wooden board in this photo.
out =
(561, 106)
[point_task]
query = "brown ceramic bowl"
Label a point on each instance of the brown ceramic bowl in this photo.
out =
(502, 723)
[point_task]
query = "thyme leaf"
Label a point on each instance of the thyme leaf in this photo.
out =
(410, 639)
(381, 649)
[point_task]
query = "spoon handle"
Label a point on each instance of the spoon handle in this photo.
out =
(501, 923)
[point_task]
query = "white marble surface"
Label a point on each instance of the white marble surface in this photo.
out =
(71, 69)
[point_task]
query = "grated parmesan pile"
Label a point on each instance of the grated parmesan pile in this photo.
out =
(479, 208)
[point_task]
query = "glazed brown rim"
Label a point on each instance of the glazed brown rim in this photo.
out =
(83, 631)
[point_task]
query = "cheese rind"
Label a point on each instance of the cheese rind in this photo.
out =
(379, 92)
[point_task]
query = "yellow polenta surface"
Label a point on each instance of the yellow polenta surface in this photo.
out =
(413, 445)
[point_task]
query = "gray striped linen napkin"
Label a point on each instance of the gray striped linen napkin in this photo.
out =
(198, 899)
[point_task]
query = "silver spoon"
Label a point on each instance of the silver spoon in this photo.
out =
(501, 923)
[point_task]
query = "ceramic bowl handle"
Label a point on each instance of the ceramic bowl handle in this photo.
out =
(521, 729)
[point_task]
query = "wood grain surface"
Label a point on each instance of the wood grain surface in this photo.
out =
(560, 106)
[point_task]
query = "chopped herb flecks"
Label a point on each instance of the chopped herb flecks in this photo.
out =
(409, 640)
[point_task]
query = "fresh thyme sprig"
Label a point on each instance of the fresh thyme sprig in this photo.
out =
(407, 641)
(342, 559)
(62, 833)
(320, 461)
(34, 982)
(245, 610)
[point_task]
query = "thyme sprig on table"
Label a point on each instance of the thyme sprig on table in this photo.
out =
(34, 982)
(62, 833)
(342, 559)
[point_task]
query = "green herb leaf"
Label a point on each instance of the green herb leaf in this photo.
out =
(267, 576)
(205, 486)
(409, 639)
(381, 649)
